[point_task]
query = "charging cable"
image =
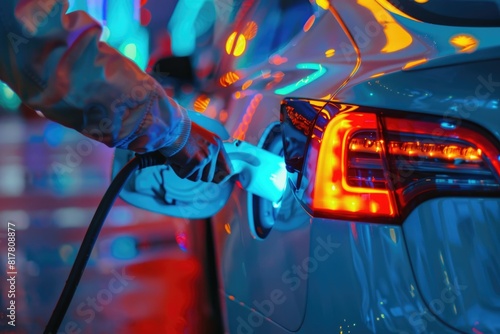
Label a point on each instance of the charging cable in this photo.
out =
(258, 171)
(138, 162)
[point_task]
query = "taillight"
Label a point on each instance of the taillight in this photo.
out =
(349, 175)
(377, 165)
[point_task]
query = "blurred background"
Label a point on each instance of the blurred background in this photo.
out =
(148, 273)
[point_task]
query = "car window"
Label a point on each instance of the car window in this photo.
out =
(481, 13)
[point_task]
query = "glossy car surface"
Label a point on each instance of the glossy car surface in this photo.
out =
(429, 262)
(436, 270)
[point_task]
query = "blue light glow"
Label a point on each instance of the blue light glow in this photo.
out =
(120, 21)
(8, 99)
(121, 216)
(124, 248)
(136, 47)
(320, 71)
(183, 39)
(183, 26)
(53, 134)
(96, 9)
(448, 126)
(77, 5)
(279, 179)
(181, 240)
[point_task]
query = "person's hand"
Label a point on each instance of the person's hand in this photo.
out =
(203, 157)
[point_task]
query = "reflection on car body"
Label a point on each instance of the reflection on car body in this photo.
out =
(391, 134)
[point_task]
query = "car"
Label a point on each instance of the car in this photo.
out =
(386, 113)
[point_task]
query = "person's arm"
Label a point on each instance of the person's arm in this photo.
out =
(57, 65)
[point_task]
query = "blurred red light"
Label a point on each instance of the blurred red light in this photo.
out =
(145, 16)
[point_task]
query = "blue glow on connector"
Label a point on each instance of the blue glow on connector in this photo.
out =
(279, 179)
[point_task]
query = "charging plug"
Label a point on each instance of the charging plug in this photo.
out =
(259, 172)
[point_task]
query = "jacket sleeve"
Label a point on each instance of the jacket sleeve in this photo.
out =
(56, 64)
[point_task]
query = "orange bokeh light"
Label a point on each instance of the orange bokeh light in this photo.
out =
(309, 23)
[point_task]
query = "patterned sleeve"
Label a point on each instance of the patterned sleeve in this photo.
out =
(57, 64)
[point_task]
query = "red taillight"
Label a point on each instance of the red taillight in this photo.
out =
(369, 166)
(338, 156)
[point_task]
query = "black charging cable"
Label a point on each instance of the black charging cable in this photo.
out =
(138, 162)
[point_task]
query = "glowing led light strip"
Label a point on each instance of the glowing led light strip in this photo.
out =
(320, 71)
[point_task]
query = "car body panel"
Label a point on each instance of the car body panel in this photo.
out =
(425, 75)
(433, 74)
(255, 272)
(349, 286)
(242, 319)
(354, 290)
(454, 243)
(463, 87)
(466, 92)
(254, 94)
(378, 278)
(258, 106)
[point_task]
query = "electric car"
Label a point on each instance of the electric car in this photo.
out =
(386, 114)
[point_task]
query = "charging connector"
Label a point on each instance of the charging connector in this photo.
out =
(259, 172)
